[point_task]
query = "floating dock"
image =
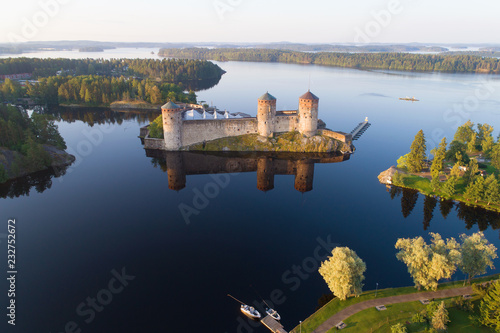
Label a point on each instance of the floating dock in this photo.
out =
(360, 129)
(273, 325)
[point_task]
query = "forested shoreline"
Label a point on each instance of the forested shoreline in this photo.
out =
(98, 82)
(168, 70)
(28, 144)
(381, 61)
(466, 170)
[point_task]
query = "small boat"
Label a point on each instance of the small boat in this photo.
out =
(412, 99)
(273, 313)
(270, 311)
(247, 310)
(250, 311)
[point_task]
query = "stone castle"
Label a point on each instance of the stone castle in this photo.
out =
(179, 133)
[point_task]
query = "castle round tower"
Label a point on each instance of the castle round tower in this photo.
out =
(172, 125)
(308, 114)
(266, 115)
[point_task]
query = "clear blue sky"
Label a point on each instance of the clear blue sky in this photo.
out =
(314, 21)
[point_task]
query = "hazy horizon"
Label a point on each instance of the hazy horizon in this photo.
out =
(255, 42)
(256, 21)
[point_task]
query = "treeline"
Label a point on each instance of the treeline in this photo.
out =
(94, 90)
(387, 61)
(25, 135)
(169, 70)
(16, 128)
(467, 169)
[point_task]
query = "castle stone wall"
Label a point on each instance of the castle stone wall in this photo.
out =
(341, 136)
(143, 132)
(286, 123)
(195, 131)
(150, 143)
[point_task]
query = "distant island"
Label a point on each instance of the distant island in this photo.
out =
(284, 131)
(381, 61)
(91, 49)
(466, 171)
(28, 145)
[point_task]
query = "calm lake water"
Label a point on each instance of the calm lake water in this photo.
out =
(113, 209)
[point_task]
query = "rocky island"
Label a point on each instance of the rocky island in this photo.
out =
(29, 144)
(466, 170)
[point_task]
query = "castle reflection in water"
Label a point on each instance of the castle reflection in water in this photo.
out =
(178, 165)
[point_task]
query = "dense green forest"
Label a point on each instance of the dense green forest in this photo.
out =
(388, 61)
(94, 90)
(26, 136)
(16, 128)
(101, 82)
(168, 70)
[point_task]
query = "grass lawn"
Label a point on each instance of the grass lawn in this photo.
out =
(460, 323)
(374, 321)
(335, 305)
(418, 183)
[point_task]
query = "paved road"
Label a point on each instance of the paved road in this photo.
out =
(355, 308)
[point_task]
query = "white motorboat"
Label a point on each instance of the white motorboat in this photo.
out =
(250, 311)
(273, 313)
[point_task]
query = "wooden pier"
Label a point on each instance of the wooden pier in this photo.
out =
(273, 325)
(360, 129)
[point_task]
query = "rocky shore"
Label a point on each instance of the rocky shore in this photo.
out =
(120, 105)
(9, 160)
(385, 177)
(287, 142)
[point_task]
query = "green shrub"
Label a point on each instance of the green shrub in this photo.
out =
(463, 304)
(475, 320)
(156, 128)
(397, 179)
(418, 318)
(398, 328)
